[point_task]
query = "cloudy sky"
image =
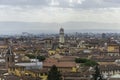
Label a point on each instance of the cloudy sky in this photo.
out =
(50, 15)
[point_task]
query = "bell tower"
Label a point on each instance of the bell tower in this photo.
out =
(61, 36)
(9, 58)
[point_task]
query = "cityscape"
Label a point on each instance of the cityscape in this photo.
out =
(59, 40)
(78, 56)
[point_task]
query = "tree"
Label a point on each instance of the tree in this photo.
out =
(54, 74)
(81, 60)
(41, 58)
(31, 56)
(97, 75)
(90, 63)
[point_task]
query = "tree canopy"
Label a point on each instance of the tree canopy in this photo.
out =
(86, 62)
(40, 58)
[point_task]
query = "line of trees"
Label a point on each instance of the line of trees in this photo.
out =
(86, 62)
(40, 58)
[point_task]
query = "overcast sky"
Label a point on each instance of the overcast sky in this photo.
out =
(31, 15)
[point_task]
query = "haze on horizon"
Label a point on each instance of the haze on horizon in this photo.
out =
(18, 16)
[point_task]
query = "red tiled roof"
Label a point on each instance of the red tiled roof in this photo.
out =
(50, 60)
(60, 64)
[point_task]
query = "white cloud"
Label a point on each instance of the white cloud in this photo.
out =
(82, 12)
(54, 3)
(58, 15)
(80, 1)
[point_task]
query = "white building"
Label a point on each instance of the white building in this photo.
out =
(31, 65)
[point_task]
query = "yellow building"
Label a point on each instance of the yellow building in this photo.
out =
(16, 70)
(21, 71)
(113, 48)
(52, 52)
(29, 69)
(57, 51)
(38, 73)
